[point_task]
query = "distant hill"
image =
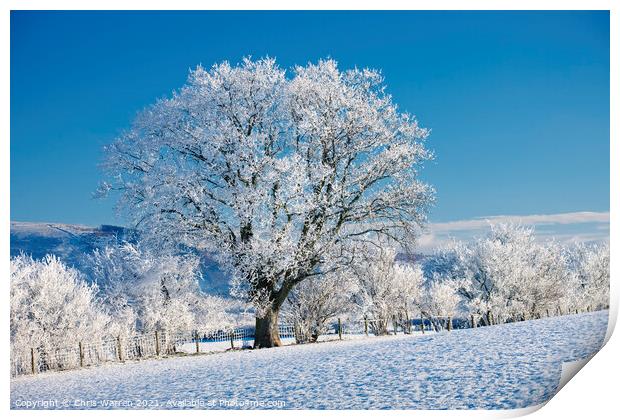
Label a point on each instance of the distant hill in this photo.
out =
(67, 242)
(71, 242)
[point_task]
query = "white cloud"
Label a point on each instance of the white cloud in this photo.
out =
(565, 227)
(532, 219)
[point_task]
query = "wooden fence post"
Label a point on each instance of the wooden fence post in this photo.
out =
(156, 343)
(232, 339)
(339, 329)
(394, 324)
(81, 354)
(119, 348)
(366, 326)
(422, 322)
(32, 360)
(449, 323)
(473, 321)
(197, 342)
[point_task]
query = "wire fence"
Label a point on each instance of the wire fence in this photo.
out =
(165, 344)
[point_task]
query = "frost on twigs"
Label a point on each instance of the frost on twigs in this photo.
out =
(384, 287)
(103, 190)
(276, 175)
(52, 306)
(143, 290)
(509, 275)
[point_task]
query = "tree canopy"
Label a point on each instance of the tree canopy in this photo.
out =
(276, 176)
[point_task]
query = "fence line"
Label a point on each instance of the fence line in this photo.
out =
(162, 343)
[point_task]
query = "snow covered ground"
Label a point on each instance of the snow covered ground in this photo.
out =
(506, 366)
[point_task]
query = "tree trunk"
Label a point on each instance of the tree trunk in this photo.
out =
(267, 334)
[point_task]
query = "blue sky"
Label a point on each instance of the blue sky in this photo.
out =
(518, 102)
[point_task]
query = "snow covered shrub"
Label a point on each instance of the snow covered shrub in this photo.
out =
(315, 302)
(52, 306)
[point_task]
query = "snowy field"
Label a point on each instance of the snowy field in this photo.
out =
(506, 366)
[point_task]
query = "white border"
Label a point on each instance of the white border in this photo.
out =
(591, 394)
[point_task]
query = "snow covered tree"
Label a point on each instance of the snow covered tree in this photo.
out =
(450, 261)
(145, 291)
(552, 280)
(442, 299)
(52, 306)
(597, 265)
(316, 301)
(500, 272)
(509, 275)
(590, 267)
(407, 291)
(375, 281)
(274, 176)
(384, 287)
